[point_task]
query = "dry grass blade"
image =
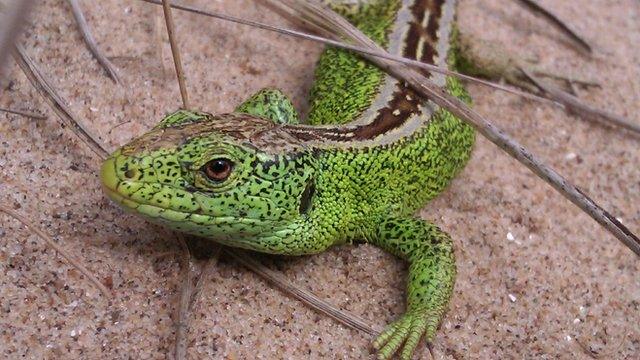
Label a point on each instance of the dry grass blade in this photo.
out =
(604, 355)
(175, 51)
(40, 82)
(568, 78)
(188, 294)
(91, 43)
(585, 349)
(575, 105)
(11, 19)
(493, 62)
(204, 274)
(334, 25)
(305, 296)
(24, 113)
(182, 320)
(359, 49)
(157, 34)
(68, 257)
(558, 23)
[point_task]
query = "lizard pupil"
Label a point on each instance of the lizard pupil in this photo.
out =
(218, 169)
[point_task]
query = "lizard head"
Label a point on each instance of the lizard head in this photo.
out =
(227, 177)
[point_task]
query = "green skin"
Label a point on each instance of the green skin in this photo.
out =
(302, 201)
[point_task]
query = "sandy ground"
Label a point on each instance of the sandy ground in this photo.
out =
(537, 278)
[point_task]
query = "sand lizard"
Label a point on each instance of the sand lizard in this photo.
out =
(260, 180)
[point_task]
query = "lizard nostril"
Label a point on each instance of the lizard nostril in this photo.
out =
(131, 173)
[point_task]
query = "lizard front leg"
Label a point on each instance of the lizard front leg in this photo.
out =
(432, 272)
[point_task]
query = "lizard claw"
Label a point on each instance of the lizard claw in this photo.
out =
(405, 332)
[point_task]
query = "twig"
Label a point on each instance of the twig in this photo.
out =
(360, 49)
(305, 296)
(40, 82)
(166, 7)
(334, 25)
(91, 43)
(575, 105)
(559, 24)
(11, 20)
(24, 113)
(59, 249)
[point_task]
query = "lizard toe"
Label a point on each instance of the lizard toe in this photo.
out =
(404, 333)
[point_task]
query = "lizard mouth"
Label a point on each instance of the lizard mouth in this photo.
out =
(119, 198)
(110, 181)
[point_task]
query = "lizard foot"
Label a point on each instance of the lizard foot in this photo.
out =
(406, 332)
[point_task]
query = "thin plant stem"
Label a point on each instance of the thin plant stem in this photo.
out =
(175, 51)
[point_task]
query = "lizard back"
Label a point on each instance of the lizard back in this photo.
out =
(395, 142)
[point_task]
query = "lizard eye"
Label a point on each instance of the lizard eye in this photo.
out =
(218, 169)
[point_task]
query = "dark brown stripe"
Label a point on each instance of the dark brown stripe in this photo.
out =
(386, 119)
(404, 109)
(431, 32)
